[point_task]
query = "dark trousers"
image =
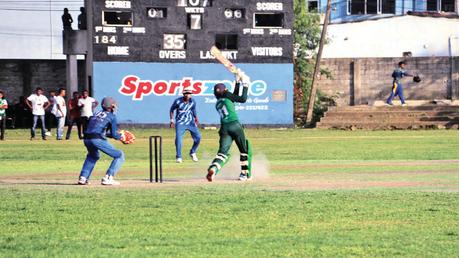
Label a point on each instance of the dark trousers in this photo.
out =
(84, 122)
(397, 90)
(2, 126)
(70, 126)
(228, 133)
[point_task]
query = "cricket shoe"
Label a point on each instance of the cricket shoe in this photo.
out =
(83, 181)
(211, 173)
(109, 180)
(194, 157)
(244, 177)
(179, 160)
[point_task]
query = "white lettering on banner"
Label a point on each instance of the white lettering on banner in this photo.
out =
(118, 51)
(253, 31)
(171, 54)
(118, 4)
(270, 6)
(132, 85)
(267, 51)
(194, 10)
(231, 55)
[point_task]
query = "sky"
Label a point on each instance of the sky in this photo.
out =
(32, 29)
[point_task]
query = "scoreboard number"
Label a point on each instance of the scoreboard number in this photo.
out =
(157, 12)
(174, 41)
(234, 13)
(194, 3)
(105, 39)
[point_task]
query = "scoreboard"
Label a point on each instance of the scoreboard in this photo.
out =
(145, 52)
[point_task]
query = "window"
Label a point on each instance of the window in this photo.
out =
(156, 12)
(117, 18)
(387, 6)
(432, 5)
(174, 41)
(226, 41)
(195, 21)
(447, 6)
(313, 6)
(357, 7)
(268, 20)
(362, 7)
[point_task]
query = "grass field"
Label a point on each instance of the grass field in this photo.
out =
(315, 193)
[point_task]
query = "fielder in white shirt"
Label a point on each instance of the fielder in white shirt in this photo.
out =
(38, 103)
(87, 105)
(60, 111)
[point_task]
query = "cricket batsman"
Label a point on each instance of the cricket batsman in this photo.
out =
(231, 130)
(100, 126)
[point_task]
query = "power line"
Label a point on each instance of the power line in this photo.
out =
(35, 10)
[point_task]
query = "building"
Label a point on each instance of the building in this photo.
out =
(366, 40)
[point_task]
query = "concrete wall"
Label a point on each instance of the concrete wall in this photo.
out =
(21, 77)
(390, 37)
(365, 80)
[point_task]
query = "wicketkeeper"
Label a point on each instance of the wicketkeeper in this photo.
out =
(231, 130)
(102, 125)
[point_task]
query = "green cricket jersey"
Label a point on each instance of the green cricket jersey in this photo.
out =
(2, 110)
(225, 105)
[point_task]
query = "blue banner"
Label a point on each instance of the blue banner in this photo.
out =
(145, 91)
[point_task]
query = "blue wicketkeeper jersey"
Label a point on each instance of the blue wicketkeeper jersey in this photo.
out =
(100, 122)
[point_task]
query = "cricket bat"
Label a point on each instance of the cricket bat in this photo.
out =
(223, 60)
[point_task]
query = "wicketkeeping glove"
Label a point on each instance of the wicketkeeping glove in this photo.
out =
(127, 137)
(417, 78)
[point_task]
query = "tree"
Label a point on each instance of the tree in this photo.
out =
(306, 36)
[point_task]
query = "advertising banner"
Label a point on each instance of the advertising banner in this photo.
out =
(145, 91)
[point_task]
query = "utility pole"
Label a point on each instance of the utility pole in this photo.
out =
(313, 93)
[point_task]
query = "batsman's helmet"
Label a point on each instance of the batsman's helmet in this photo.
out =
(109, 102)
(219, 90)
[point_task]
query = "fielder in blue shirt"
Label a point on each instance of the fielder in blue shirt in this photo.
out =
(186, 118)
(397, 87)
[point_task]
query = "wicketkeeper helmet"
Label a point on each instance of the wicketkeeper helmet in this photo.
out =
(109, 102)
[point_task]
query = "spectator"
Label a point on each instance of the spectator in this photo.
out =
(49, 116)
(87, 105)
(3, 108)
(60, 112)
(21, 113)
(82, 19)
(38, 103)
(67, 20)
(74, 116)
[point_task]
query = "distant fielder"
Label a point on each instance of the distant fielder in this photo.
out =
(95, 140)
(186, 119)
(231, 130)
(397, 87)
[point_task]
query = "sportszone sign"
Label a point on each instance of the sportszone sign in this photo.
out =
(137, 88)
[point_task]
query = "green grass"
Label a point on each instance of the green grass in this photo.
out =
(281, 216)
